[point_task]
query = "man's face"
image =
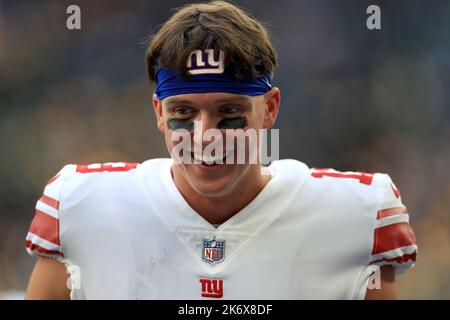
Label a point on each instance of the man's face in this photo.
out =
(205, 124)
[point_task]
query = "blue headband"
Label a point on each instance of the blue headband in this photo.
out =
(168, 83)
(207, 78)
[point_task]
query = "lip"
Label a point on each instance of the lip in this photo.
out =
(213, 165)
(206, 165)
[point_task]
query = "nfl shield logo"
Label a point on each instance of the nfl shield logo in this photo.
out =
(213, 251)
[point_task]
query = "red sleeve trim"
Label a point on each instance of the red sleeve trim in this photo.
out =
(34, 247)
(45, 227)
(391, 211)
(392, 237)
(401, 259)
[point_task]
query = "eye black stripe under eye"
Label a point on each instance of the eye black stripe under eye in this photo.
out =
(174, 124)
(233, 123)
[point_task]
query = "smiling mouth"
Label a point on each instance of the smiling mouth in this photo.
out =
(209, 161)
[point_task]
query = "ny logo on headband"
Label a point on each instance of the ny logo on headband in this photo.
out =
(204, 62)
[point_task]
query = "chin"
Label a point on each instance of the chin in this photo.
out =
(213, 189)
(212, 185)
(212, 193)
(213, 182)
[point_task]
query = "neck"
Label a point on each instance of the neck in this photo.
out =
(217, 210)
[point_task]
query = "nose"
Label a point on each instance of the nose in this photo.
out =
(205, 127)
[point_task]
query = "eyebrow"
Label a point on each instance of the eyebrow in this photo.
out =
(170, 101)
(174, 100)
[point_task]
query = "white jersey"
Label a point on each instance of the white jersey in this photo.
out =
(125, 232)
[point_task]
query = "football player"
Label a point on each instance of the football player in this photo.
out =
(203, 225)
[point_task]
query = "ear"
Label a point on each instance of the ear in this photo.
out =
(157, 107)
(272, 101)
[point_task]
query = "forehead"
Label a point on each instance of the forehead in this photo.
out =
(203, 99)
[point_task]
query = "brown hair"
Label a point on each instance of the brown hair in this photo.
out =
(215, 25)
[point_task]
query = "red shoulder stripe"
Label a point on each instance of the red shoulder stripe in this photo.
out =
(108, 167)
(50, 201)
(392, 237)
(53, 179)
(45, 227)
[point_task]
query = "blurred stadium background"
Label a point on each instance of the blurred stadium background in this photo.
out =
(352, 99)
